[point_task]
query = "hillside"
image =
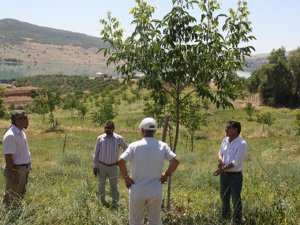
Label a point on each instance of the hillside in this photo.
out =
(16, 32)
(25, 43)
(255, 61)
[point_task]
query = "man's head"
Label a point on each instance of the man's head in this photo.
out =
(109, 127)
(233, 128)
(19, 119)
(148, 126)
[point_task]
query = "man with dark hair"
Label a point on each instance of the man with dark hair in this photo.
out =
(146, 158)
(230, 165)
(106, 157)
(17, 158)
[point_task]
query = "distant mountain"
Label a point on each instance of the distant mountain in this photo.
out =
(256, 61)
(15, 32)
(53, 51)
(25, 43)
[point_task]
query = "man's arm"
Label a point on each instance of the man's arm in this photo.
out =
(223, 166)
(9, 162)
(171, 168)
(11, 168)
(220, 164)
(123, 144)
(123, 170)
(95, 159)
(240, 155)
(220, 161)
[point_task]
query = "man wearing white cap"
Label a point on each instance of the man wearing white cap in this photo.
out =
(146, 158)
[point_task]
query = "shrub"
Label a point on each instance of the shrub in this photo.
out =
(249, 108)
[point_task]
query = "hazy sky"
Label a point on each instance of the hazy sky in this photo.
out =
(275, 22)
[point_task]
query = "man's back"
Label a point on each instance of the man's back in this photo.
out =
(147, 157)
(147, 161)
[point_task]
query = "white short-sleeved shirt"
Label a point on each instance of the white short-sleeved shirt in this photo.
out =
(234, 152)
(146, 158)
(15, 143)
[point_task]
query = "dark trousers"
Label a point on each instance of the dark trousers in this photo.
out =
(231, 186)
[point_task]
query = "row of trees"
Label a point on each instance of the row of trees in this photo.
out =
(278, 81)
(67, 84)
(46, 102)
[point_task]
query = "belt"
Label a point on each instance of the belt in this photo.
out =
(27, 164)
(105, 164)
(231, 173)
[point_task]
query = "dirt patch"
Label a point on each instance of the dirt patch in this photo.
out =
(18, 95)
(18, 100)
(254, 99)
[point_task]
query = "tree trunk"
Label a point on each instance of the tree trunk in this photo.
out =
(192, 142)
(165, 129)
(174, 150)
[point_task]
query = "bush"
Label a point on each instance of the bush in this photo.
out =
(250, 109)
(265, 119)
(105, 112)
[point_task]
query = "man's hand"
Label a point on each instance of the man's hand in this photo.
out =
(217, 172)
(95, 171)
(163, 179)
(171, 168)
(128, 181)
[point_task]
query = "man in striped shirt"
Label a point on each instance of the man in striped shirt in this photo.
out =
(106, 157)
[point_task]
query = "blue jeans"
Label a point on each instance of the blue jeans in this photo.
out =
(231, 186)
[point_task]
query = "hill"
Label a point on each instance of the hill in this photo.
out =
(255, 61)
(16, 32)
(22, 42)
(25, 43)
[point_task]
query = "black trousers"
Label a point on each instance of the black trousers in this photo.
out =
(231, 186)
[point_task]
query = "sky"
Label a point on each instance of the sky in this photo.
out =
(275, 23)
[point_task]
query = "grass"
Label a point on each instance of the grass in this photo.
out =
(62, 188)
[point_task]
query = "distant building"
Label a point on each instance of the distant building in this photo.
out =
(101, 75)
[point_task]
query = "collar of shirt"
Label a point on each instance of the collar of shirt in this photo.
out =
(16, 130)
(112, 136)
(237, 139)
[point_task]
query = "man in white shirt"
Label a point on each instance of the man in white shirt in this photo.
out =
(17, 158)
(106, 158)
(146, 158)
(230, 166)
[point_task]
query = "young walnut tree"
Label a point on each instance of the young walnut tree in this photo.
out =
(182, 54)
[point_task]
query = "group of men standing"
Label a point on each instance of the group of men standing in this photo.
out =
(144, 179)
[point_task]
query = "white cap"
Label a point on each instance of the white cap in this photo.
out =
(148, 124)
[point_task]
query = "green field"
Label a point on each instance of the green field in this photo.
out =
(63, 190)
